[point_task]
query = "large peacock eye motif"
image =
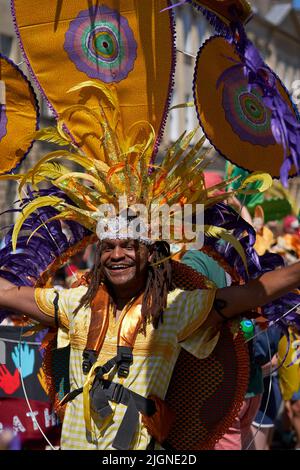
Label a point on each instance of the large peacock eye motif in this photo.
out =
(246, 111)
(101, 44)
(3, 121)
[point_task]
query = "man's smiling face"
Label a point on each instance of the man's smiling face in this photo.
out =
(124, 262)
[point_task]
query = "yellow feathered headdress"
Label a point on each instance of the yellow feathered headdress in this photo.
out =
(122, 168)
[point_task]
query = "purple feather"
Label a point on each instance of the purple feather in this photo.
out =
(32, 257)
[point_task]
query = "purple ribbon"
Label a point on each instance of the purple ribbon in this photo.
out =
(216, 22)
(174, 6)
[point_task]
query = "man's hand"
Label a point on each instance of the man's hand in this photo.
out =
(9, 383)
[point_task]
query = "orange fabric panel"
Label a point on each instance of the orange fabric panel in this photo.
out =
(144, 87)
(244, 139)
(18, 115)
(227, 10)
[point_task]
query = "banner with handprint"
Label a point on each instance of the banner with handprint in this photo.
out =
(21, 375)
(21, 359)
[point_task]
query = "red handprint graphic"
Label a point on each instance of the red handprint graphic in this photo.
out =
(9, 383)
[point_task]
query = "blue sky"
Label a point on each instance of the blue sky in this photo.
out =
(296, 3)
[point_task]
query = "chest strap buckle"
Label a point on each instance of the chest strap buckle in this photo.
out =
(124, 360)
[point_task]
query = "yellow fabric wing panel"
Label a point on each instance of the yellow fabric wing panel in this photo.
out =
(18, 115)
(235, 120)
(126, 45)
(227, 10)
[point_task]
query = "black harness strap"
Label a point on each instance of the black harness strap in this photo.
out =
(123, 360)
(89, 358)
(119, 394)
(100, 371)
(104, 391)
(70, 396)
(135, 403)
(99, 399)
(128, 427)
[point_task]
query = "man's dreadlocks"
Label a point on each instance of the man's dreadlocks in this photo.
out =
(158, 284)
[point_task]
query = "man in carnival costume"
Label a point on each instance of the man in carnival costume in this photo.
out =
(129, 320)
(130, 302)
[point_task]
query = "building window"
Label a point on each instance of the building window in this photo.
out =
(190, 114)
(174, 119)
(188, 31)
(204, 30)
(5, 44)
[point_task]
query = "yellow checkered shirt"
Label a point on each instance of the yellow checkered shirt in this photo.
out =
(154, 357)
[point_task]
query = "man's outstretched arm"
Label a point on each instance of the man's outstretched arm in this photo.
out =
(260, 291)
(21, 300)
(256, 293)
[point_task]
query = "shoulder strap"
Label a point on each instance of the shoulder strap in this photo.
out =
(97, 329)
(130, 323)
